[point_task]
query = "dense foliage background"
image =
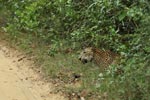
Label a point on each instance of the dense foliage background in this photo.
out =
(122, 26)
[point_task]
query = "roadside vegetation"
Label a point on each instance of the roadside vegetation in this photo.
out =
(53, 32)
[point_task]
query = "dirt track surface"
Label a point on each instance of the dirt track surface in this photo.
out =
(18, 81)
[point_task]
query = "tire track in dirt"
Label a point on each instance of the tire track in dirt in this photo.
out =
(18, 81)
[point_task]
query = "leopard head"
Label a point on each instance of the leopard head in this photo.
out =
(86, 55)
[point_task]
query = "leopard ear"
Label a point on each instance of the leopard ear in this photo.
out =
(93, 49)
(85, 45)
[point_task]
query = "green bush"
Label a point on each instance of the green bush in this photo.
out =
(94, 22)
(133, 84)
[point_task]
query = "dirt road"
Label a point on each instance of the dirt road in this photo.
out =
(18, 81)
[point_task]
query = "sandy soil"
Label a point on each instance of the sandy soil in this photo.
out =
(18, 80)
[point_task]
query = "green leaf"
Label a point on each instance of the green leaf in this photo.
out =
(122, 15)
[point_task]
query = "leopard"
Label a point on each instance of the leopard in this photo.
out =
(102, 58)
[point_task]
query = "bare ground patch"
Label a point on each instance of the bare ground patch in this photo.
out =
(19, 81)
